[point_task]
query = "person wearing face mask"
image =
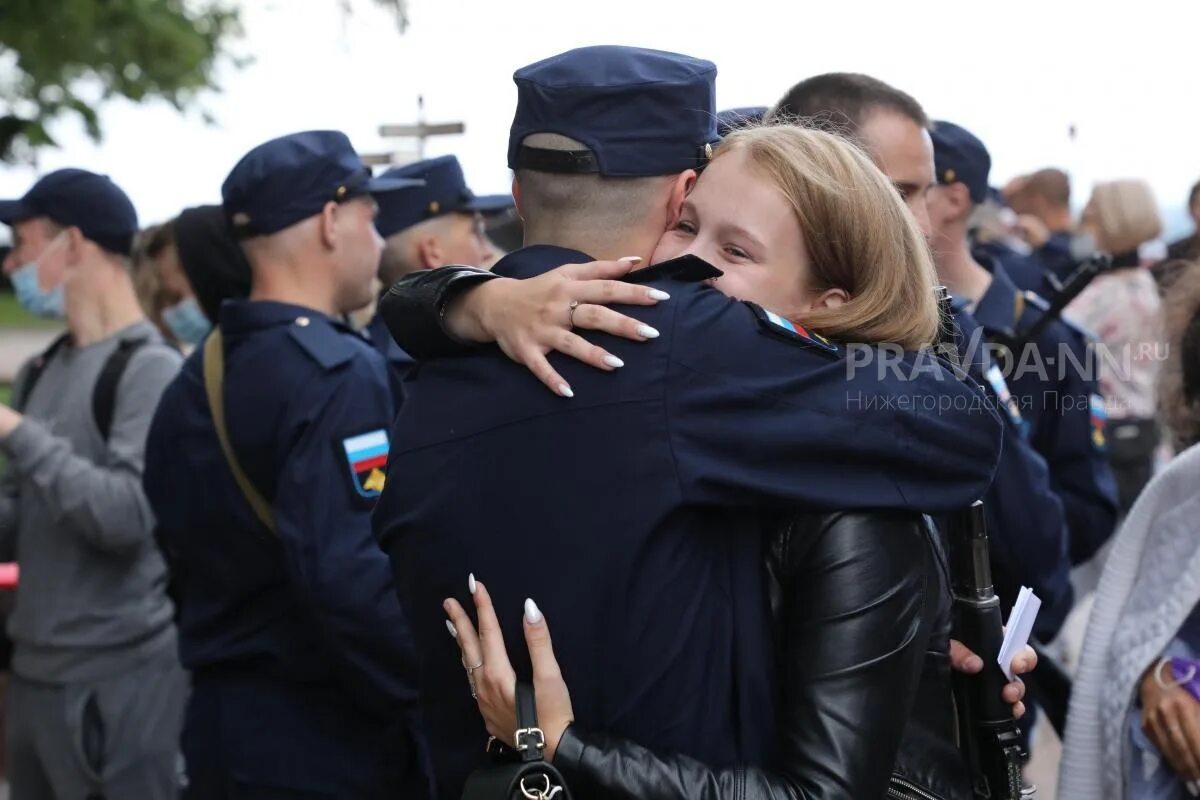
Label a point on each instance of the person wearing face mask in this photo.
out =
(95, 699)
(301, 661)
(190, 266)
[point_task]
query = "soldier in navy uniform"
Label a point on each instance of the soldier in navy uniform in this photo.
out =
(264, 461)
(430, 225)
(1052, 377)
(633, 502)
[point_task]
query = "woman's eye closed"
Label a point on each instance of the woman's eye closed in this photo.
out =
(684, 226)
(736, 252)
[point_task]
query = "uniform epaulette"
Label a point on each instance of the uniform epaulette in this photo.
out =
(785, 329)
(1036, 301)
(324, 343)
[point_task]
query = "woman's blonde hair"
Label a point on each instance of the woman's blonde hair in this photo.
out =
(1126, 214)
(860, 236)
(1179, 382)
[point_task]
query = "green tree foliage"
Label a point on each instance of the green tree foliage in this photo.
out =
(64, 57)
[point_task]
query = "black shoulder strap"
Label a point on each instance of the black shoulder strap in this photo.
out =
(104, 396)
(36, 367)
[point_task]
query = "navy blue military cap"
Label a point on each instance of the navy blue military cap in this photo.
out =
(290, 179)
(732, 119)
(960, 157)
(80, 199)
(445, 192)
(639, 112)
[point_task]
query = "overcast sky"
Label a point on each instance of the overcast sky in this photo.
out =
(1018, 74)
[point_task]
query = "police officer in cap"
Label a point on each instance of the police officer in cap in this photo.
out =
(428, 226)
(264, 461)
(631, 505)
(1053, 376)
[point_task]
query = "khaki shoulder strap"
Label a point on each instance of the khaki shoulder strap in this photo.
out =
(214, 385)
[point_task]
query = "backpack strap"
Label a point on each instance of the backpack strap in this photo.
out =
(34, 371)
(214, 386)
(104, 396)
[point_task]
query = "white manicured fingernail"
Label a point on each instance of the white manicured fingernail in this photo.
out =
(658, 294)
(450, 627)
(471, 582)
(646, 332)
(533, 614)
(630, 259)
(565, 390)
(614, 362)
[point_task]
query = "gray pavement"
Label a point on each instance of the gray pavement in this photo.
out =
(16, 345)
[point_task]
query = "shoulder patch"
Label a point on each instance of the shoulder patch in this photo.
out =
(995, 379)
(323, 343)
(366, 457)
(778, 326)
(1099, 414)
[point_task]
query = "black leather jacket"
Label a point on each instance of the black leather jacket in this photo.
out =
(862, 610)
(861, 603)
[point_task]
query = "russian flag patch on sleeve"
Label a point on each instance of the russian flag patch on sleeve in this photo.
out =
(781, 326)
(366, 455)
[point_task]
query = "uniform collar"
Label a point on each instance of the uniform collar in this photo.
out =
(997, 309)
(531, 261)
(536, 259)
(246, 316)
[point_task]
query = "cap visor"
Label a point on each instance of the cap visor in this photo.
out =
(490, 203)
(14, 211)
(384, 184)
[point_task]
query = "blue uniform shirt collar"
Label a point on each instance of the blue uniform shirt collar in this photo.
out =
(246, 316)
(531, 261)
(997, 309)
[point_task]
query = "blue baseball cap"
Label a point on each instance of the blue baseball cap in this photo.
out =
(639, 112)
(732, 119)
(444, 192)
(290, 179)
(959, 157)
(76, 198)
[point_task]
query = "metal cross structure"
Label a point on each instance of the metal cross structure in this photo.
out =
(420, 130)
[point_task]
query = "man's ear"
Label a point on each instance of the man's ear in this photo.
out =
(429, 253)
(516, 193)
(681, 187)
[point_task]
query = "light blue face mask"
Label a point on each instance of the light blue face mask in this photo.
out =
(187, 322)
(32, 297)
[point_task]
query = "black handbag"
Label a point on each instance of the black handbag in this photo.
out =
(519, 773)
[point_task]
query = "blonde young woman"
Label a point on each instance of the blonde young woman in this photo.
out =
(802, 223)
(1122, 307)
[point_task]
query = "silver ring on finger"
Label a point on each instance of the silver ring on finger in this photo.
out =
(471, 670)
(571, 314)
(471, 685)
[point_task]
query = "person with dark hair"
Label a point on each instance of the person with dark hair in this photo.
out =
(1189, 246)
(185, 268)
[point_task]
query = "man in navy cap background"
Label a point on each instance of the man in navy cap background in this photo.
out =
(95, 699)
(264, 461)
(1052, 376)
(437, 223)
(625, 514)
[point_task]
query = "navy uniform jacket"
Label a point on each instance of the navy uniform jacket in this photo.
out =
(314, 610)
(1061, 403)
(1026, 524)
(633, 513)
(1033, 273)
(399, 363)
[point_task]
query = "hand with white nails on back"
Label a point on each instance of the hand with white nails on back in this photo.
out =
(496, 682)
